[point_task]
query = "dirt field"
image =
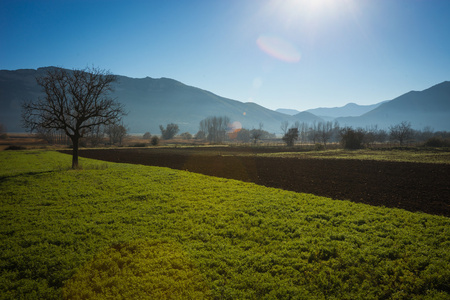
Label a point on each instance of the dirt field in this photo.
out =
(410, 186)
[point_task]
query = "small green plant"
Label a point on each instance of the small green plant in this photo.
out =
(138, 270)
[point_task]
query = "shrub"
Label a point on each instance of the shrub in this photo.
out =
(147, 136)
(139, 145)
(319, 147)
(352, 138)
(155, 141)
(186, 136)
(437, 142)
(13, 147)
(169, 132)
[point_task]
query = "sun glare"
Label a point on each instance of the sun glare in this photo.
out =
(309, 9)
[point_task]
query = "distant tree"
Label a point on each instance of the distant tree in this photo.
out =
(215, 128)
(325, 131)
(147, 136)
(425, 134)
(169, 132)
(186, 136)
(200, 135)
(243, 135)
(381, 136)
(303, 132)
(401, 132)
(284, 127)
(290, 137)
(313, 132)
(370, 136)
(75, 102)
(256, 134)
(352, 138)
(53, 136)
(95, 136)
(437, 142)
(155, 141)
(116, 133)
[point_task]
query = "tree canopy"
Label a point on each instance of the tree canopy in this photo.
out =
(75, 101)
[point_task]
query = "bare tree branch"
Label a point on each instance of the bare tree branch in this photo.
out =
(75, 101)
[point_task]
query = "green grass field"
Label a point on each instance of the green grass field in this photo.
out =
(118, 231)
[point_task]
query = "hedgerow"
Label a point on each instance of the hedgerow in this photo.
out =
(126, 231)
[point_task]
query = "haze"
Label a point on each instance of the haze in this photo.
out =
(279, 54)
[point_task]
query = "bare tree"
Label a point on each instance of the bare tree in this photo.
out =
(75, 102)
(116, 133)
(95, 136)
(325, 130)
(401, 132)
(215, 128)
(303, 132)
(284, 127)
(257, 134)
(313, 132)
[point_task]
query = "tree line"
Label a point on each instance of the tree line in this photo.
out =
(356, 138)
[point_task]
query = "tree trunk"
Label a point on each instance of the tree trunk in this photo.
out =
(75, 140)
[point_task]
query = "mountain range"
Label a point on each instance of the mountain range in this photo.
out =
(152, 102)
(330, 113)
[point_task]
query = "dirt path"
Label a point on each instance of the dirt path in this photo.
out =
(410, 186)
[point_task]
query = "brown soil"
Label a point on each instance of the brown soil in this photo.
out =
(411, 186)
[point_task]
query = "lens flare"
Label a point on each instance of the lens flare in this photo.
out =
(279, 48)
(233, 129)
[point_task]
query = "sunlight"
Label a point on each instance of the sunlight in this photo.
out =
(291, 11)
(313, 6)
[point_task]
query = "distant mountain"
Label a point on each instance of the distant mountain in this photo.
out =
(287, 111)
(307, 117)
(430, 107)
(349, 110)
(150, 103)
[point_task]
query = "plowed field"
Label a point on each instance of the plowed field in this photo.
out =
(411, 186)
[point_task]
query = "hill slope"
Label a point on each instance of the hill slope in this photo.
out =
(430, 107)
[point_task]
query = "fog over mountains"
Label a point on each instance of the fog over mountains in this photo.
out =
(152, 102)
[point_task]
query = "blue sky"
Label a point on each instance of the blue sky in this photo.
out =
(297, 54)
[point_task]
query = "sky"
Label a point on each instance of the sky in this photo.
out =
(296, 54)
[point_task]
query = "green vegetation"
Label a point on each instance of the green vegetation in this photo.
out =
(439, 156)
(135, 232)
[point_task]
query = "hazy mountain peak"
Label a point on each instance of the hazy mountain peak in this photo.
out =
(287, 111)
(349, 110)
